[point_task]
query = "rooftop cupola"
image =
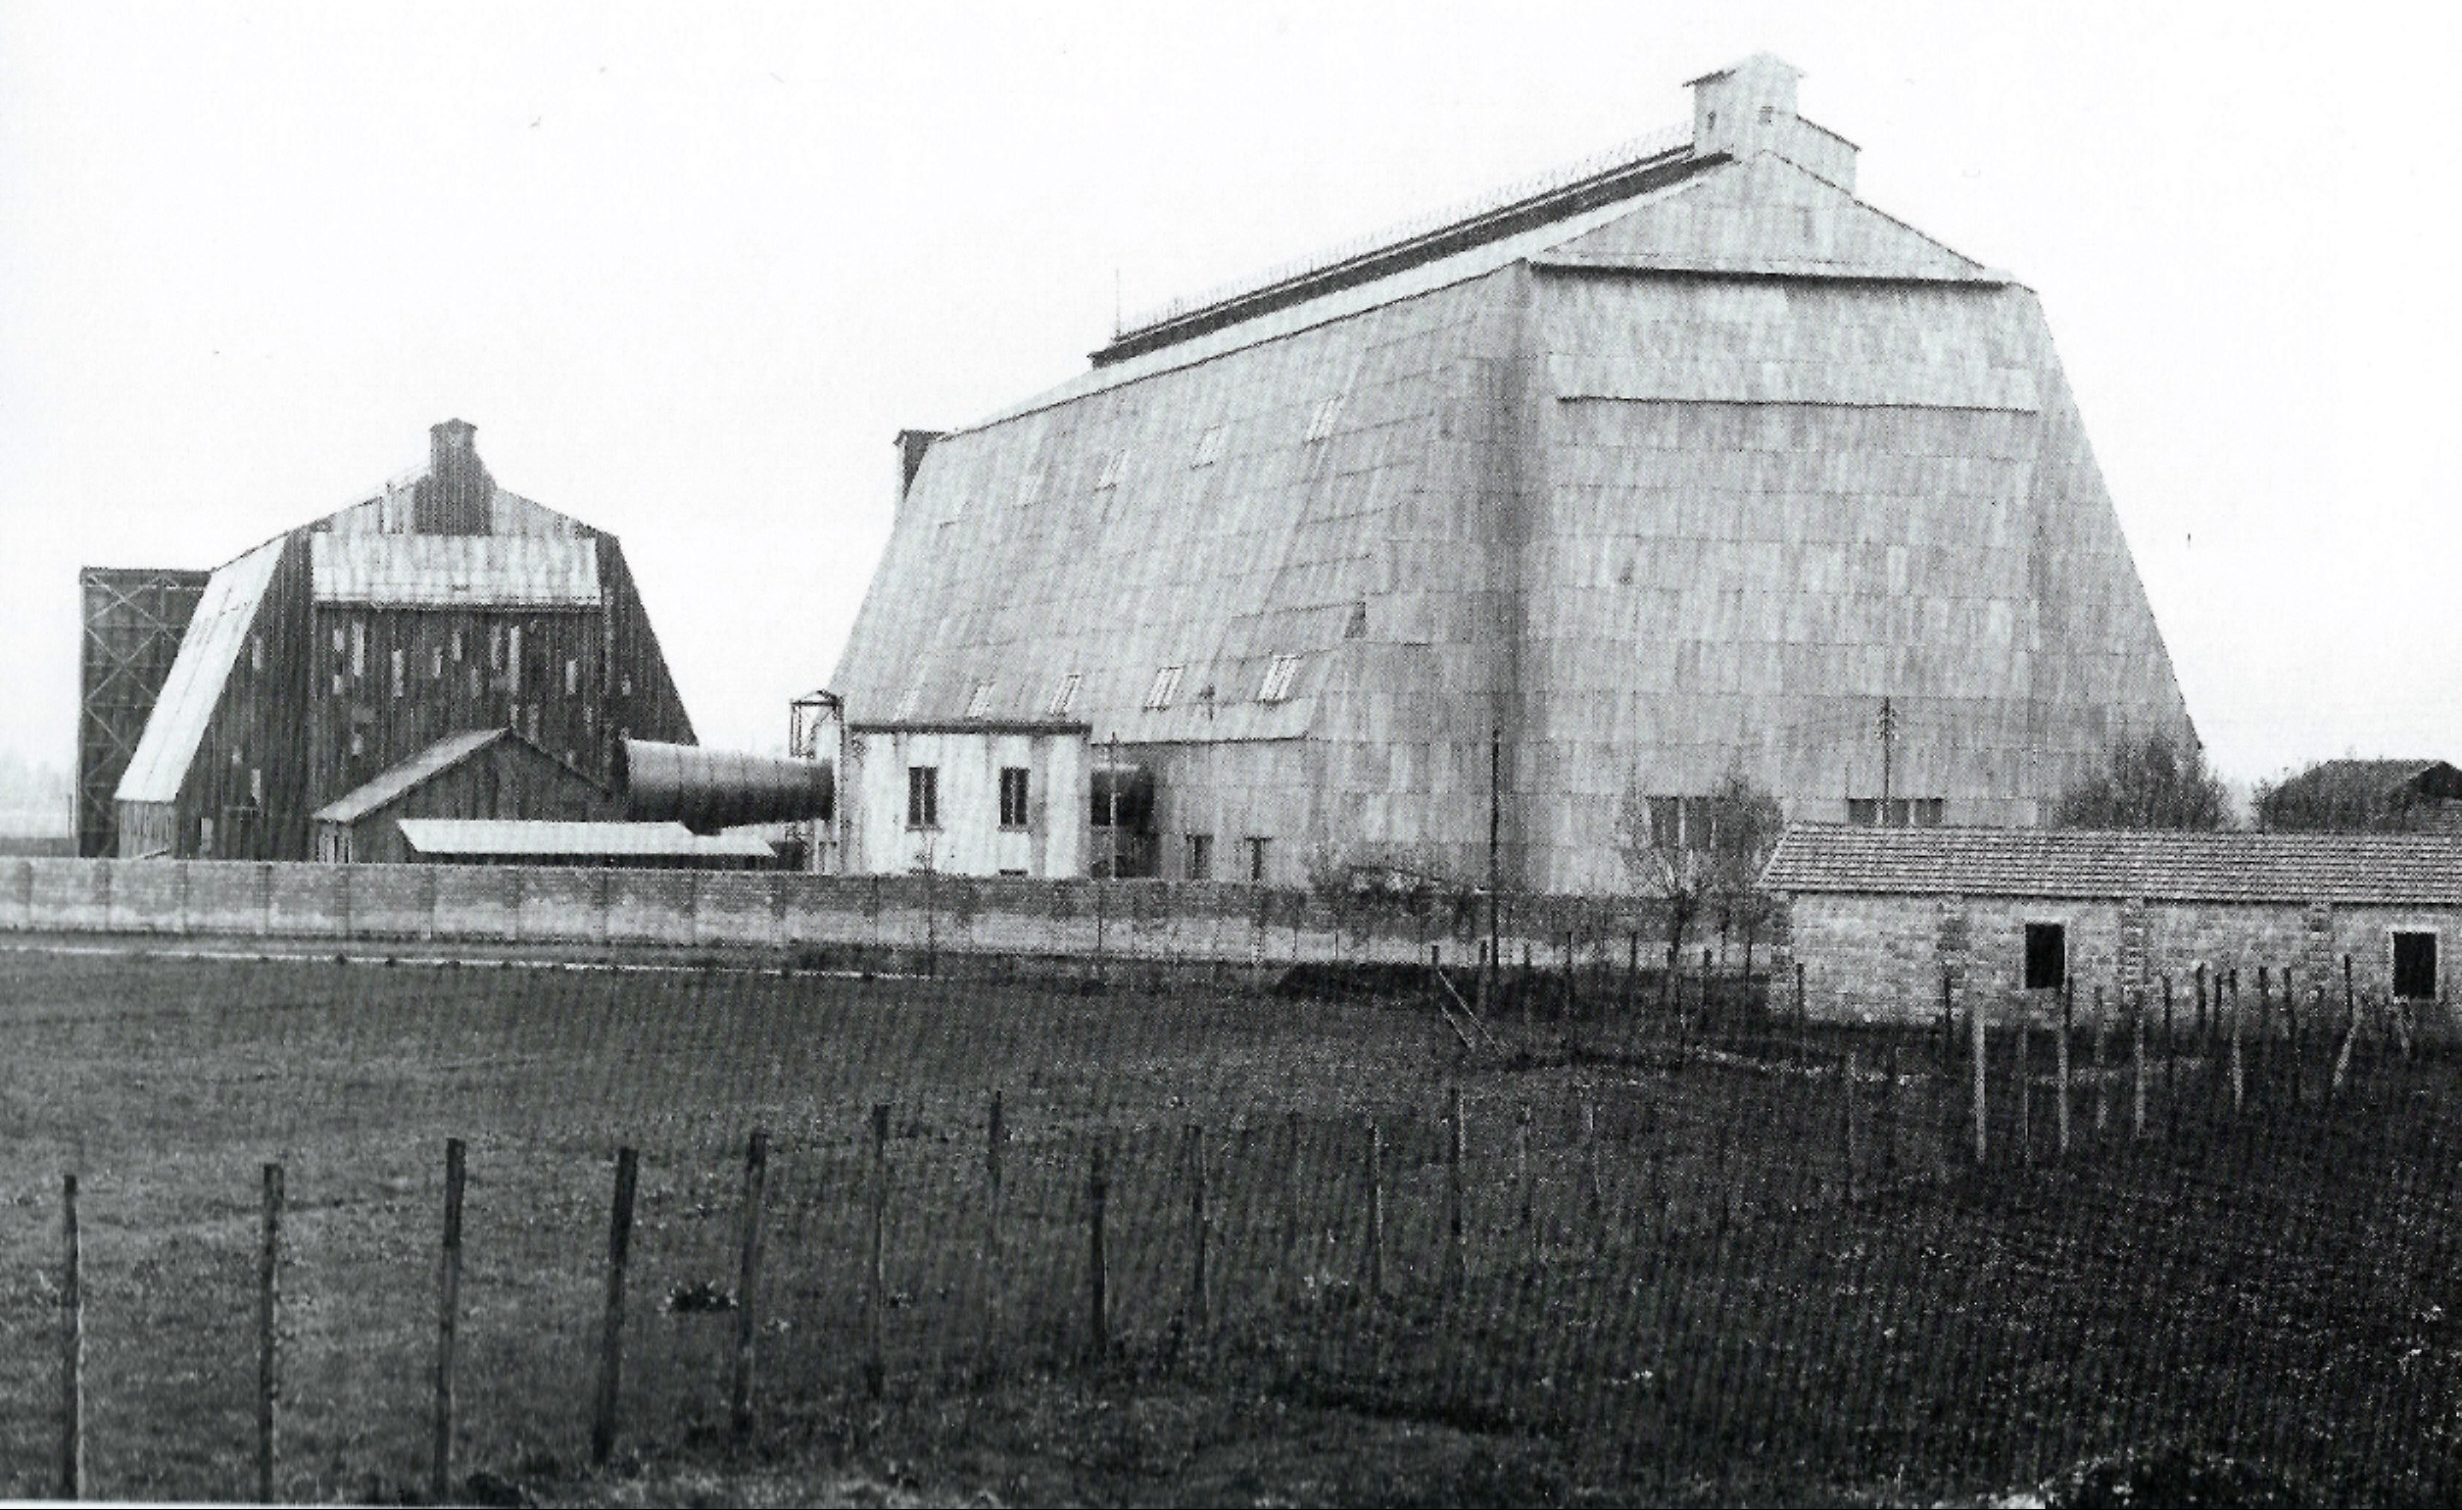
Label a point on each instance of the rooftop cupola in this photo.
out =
(454, 497)
(1749, 107)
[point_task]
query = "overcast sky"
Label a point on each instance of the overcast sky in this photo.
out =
(689, 269)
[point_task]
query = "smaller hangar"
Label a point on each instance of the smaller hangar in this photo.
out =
(477, 774)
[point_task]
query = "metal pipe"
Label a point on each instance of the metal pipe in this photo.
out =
(710, 790)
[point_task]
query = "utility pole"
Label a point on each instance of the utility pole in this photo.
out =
(1111, 810)
(1495, 809)
(1889, 740)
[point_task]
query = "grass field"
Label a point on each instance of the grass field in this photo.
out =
(2277, 1289)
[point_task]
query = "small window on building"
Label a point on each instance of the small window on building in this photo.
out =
(256, 652)
(906, 705)
(1029, 490)
(436, 664)
(256, 785)
(1358, 625)
(1063, 697)
(340, 642)
(358, 647)
(474, 684)
(624, 687)
(572, 676)
(495, 648)
(1165, 687)
(457, 647)
(337, 684)
(1013, 796)
(1321, 423)
(1256, 857)
(205, 837)
(1768, 114)
(1209, 446)
(2047, 956)
(2414, 964)
(512, 660)
(979, 701)
(1114, 464)
(401, 671)
(1201, 857)
(1278, 679)
(358, 743)
(922, 796)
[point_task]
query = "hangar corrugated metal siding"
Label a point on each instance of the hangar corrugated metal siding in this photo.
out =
(1692, 478)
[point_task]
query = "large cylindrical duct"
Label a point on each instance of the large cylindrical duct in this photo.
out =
(709, 790)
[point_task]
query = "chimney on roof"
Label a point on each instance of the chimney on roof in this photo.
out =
(1749, 107)
(456, 495)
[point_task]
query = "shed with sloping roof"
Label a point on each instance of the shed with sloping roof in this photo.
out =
(475, 774)
(1880, 918)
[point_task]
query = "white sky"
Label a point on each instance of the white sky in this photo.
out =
(689, 269)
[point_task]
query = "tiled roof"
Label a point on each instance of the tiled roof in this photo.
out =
(2415, 869)
(446, 571)
(519, 836)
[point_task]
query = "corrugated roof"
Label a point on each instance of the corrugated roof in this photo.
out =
(445, 571)
(2394, 870)
(192, 691)
(386, 785)
(519, 836)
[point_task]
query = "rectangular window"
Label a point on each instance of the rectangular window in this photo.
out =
(205, 837)
(1165, 687)
(337, 684)
(256, 785)
(1114, 464)
(1278, 679)
(339, 643)
(1201, 857)
(2415, 965)
(1256, 857)
(358, 647)
(401, 671)
(906, 705)
(979, 701)
(1209, 446)
(256, 652)
(1321, 423)
(1901, 812)
(512, 660)
(922, 796)
(572, 676)
(457, 647)
(1063, 697)
(2047, 956)
(1013, 796)
(358, 743)
(436, 664)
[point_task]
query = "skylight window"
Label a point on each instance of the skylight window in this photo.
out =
(1278, 679)
(1209, 446)
(1030, 490)
(1166, 686)
(906, 704)
(1063, 697)
(1114, 463)
(979, 701)
(1321, 423)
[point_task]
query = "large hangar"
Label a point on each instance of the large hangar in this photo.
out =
(325, 658)
(1683, 460)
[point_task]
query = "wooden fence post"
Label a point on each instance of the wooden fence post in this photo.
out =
(1525, 1188)
(1846, 1125)
(2137, 1014)
(2237, 1080)
(268, 1282)
(2102, 1061)
(1098, 1193)
(2025, 1090)
(1572, 981)
(2171, 1099)
(1198, 1308)
(996, 1133)
(1632, 968)
(1949, 1042)
(748, 1283)
(72, 1346)
(1594, 1193)
(1974, 1016)
(2201, 1004)
(1290, 1207)
(2068, 1025)
(448, 1321)
(1456, 1261)
(1376, 1211)
(611, 1337)
(1889, 1113)
(876, 1268)
(1803, 1023)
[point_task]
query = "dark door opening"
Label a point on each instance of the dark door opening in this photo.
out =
(2415, 966)
(2047, 956)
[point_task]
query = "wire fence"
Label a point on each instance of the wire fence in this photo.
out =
(1673, 1223)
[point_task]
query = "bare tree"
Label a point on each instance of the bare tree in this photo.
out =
(2146, 783)
(1697, 854)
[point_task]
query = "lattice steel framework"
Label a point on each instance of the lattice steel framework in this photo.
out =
(134, 617)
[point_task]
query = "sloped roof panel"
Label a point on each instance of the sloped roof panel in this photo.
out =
(2389, 870)
(386, 785)
(452, 571)
(515, 836)
(200, 671)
